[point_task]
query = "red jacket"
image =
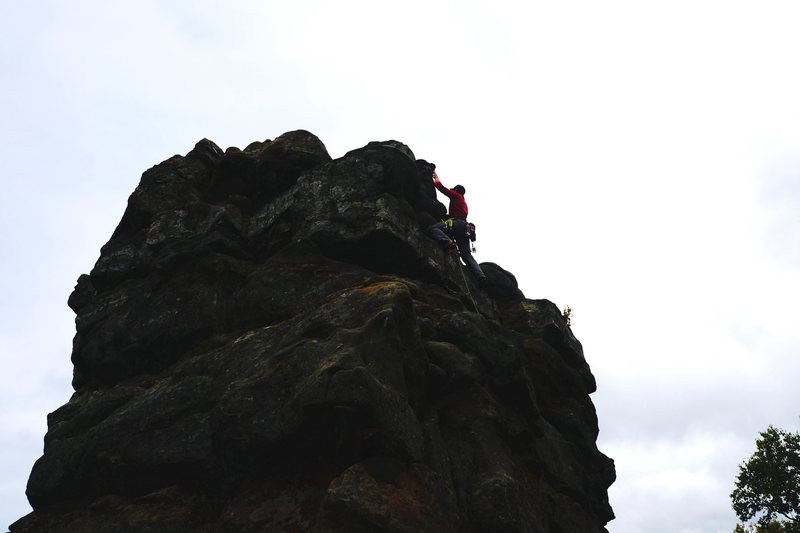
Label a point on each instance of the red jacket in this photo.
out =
(458, 207)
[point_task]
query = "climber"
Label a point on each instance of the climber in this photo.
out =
(453, 233)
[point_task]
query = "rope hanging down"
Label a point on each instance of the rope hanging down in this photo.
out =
(466, 283)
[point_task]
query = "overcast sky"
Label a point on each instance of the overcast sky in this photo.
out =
(637, 161)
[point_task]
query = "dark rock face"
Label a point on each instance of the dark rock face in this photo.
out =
(268, 342)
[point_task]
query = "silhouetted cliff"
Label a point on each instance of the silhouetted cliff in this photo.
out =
(269, 342)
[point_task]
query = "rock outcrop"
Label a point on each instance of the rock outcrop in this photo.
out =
(269, 342)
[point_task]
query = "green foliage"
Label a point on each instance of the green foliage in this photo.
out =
(567, 314)
(773, 527)
(768, 484)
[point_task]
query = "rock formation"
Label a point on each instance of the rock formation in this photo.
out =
(269, 342)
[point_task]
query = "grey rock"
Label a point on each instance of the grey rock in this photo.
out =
(269, 342)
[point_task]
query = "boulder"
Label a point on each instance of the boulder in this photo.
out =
(269, 342)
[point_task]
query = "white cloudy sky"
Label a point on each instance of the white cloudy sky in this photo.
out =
(638, 161)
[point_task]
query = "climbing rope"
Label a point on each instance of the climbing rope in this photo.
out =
(464, 277)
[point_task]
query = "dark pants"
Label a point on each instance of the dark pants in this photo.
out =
(442, 232)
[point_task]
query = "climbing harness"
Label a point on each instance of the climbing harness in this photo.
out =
(454, 251)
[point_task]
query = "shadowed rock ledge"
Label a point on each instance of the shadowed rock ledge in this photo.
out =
(268, 342)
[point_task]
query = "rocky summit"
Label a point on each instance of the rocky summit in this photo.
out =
(270, 343)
